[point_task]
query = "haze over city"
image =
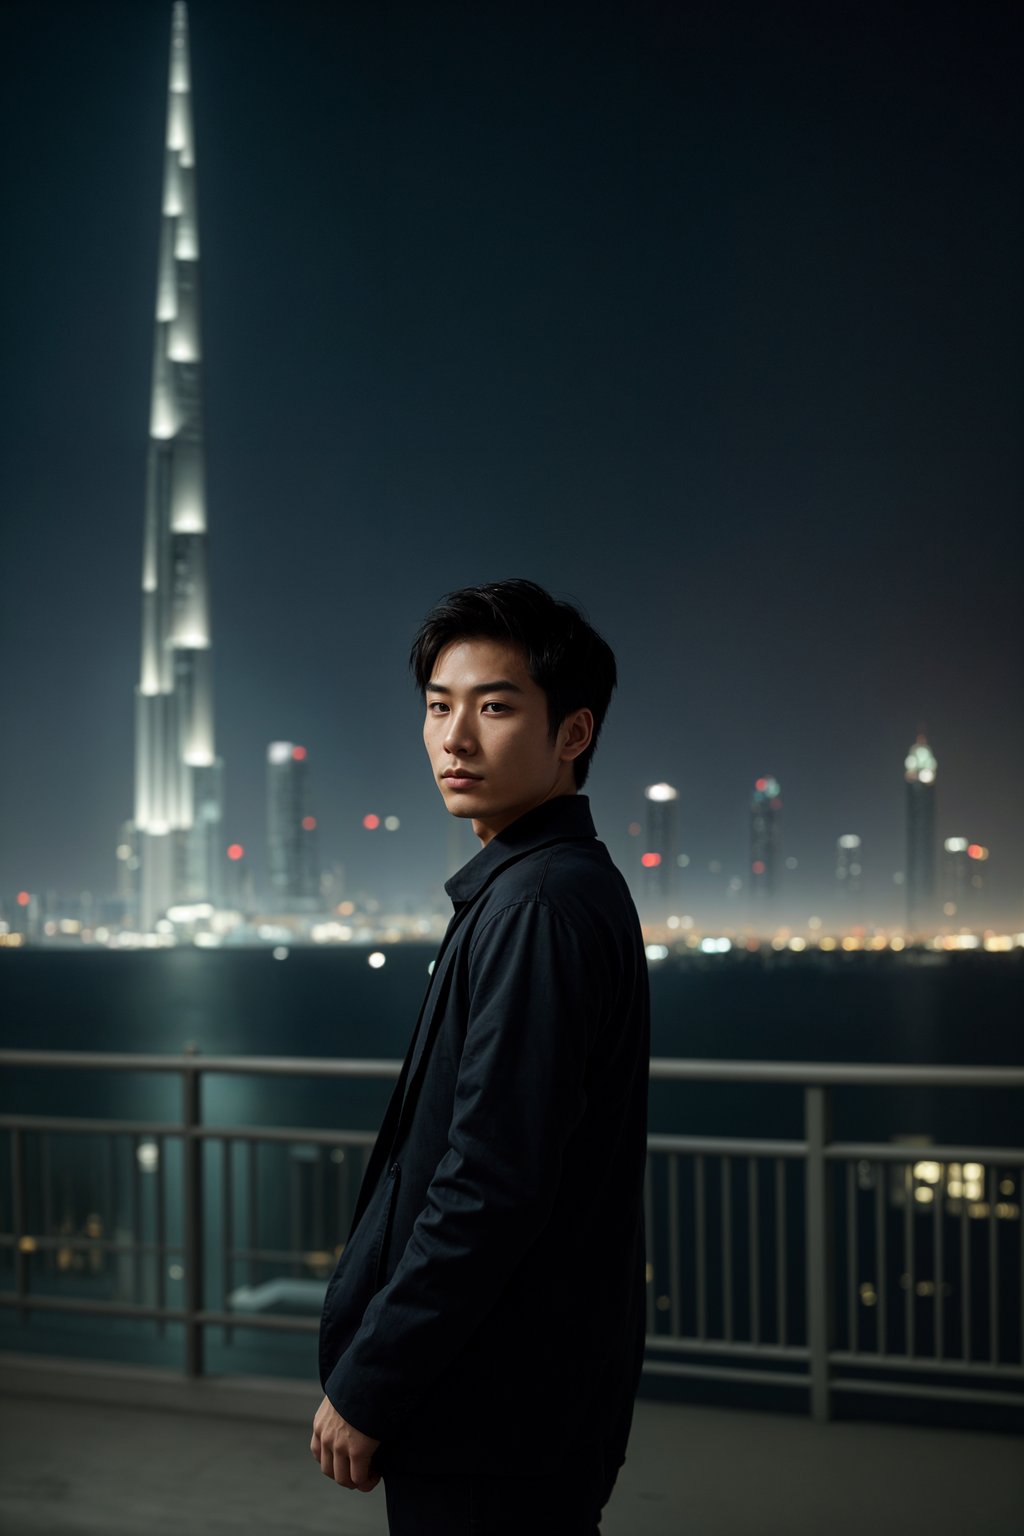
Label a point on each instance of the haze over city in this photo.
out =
(712, 328)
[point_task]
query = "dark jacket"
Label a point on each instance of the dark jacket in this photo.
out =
(491, 1293)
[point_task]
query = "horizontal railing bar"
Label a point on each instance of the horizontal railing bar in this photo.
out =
(663, 1069)
(88, 1126)
(883, 1151)
(46, 1241)
(259, 1066)
(891, 1152)
(915, 1389)
(724, 1347)
(311, 1136)
(285, 1255)
(81, 1306)
(287, 1133)
(821, 1073)
(281, 1322)
(31, 1302)
(949, 1365)
(726, 1146)
(721, 1373)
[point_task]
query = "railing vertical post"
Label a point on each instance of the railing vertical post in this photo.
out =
(18, 1220)
(192, 1165)
(820, 1248)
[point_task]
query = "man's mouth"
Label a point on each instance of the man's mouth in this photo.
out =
(460, 778)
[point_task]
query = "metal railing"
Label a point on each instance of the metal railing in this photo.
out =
(835, 1267)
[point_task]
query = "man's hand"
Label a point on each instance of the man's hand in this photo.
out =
(342, 1451)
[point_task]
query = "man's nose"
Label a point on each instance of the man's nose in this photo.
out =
(458, 738)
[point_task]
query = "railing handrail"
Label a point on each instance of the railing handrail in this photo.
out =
(663, 1068)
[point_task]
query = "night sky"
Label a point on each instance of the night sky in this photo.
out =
(707, 316)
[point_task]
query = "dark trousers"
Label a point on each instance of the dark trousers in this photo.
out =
(563, 1503)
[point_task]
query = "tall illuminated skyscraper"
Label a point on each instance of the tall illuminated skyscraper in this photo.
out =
(920, 769)
(291, 829)
(661, 856)
(178, 777)
(848, 866)
(765, 837)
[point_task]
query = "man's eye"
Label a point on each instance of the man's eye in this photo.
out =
(436, 707)
(495, 705)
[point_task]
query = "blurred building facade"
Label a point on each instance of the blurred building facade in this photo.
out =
(660, 859)
(765, 838)
(291, 829)
(920, 771)
(849, 869)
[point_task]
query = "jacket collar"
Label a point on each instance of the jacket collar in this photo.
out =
(555, 821)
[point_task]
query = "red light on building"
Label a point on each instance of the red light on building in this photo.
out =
(298, 753)
(308, 823)
(762, 785)
(23, 898)
(758, 866)
(650, 860)
(235, 851)
(975, 851)
(371, 822)
(634, 829)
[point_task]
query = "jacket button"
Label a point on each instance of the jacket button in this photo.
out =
(393, 1169)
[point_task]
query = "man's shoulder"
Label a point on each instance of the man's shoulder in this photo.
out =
(575, 878)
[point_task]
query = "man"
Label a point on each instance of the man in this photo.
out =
(482, 1334)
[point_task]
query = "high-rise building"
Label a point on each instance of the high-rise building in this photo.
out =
(128, 873)
(660, 858)
(962, 879)
(178, 776)
(848, 866)
(765, 837)
(291, 829)
(919, 770)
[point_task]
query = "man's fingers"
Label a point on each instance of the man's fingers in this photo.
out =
(342, 1471)
(314, 1446)
(359, 1465)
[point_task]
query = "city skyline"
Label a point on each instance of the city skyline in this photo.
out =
(765, 515)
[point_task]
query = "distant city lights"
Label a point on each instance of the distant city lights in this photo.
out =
(650, 860)
(308, 823)
(235, 852)
(299, 754)
(23, 898)
(371, 822)
(376, 960)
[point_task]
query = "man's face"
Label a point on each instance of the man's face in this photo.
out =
(487, 736)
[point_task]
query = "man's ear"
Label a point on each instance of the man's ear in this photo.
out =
(576, 731)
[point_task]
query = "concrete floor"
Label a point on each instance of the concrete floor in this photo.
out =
(72, 1468)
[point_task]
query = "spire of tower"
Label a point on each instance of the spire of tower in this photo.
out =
(178, 776)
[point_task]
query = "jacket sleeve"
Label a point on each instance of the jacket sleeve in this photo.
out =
(535, 1002)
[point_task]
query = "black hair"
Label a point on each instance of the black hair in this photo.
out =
(565, 655)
